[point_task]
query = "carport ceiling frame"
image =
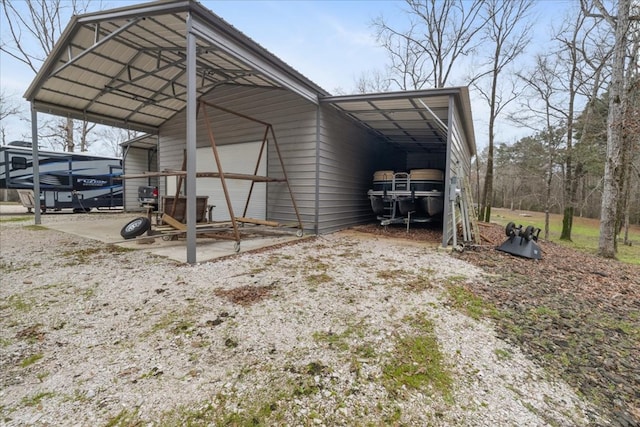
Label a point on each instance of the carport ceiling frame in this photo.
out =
(411, 120)
(127, 67)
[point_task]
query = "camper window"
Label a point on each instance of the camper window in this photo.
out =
(18, 163)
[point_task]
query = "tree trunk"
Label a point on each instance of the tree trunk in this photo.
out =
(613, 166)
(547, 204)
(569, 187)
(69, 136)
(487, 193)
(567, 220)
(488, 181)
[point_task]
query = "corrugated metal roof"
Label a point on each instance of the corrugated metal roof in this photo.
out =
(127, 66)
(411, 120)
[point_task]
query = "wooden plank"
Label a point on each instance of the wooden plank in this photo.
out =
(174, 222)
(240, 176)
(258, 221)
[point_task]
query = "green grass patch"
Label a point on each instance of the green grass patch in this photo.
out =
(16, 302)
(585, 232)
(467, 302)
(318, 279)
(253, 414)
(37, 398)
(629, 327)
(35, 227)
(16, 219)
(417, 363)
(86, 255)
(543, 311)
(349, 254)
(30, 360)
(315, 263)
(340, 341)
(10, 267)
(124, 418)
(502, 354)
(333, 340)
(175, 322)
(417, 284)
(392, 274)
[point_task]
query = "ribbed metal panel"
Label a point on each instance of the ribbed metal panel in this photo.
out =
(347, 160)
(293, 120)
(137, 161)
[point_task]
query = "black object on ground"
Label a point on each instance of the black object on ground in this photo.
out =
(521, 242)
(135, 227)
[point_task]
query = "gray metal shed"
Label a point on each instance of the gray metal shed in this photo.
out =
(146, 67)
(140, 155)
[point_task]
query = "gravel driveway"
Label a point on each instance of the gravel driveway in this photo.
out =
(344, 329)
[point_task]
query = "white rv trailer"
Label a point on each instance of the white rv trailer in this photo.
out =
(77, 181)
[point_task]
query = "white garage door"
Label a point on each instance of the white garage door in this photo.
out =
(234, 158)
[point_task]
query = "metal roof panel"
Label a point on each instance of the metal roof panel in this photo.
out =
(407, 117)
(128, 58)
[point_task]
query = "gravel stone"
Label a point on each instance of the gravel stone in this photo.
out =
(297, 334)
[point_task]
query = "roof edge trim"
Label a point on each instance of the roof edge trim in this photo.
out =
(58, 110)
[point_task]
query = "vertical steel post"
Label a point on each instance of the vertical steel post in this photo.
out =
(191, 141)
(449, 208)
(36, 164)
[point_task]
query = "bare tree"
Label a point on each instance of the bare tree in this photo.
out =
(373, 82)
(8, 107)
(39, 22)
(112, 137)
(539, 113)
(439, 34)
(631, 138)
(584, 52)
(613, 171)
(508, 34)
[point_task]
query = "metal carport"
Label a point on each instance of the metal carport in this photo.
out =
(434, 122)
(137, 67)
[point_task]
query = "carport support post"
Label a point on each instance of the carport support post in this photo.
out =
(191, 142)
(36, 164)
(449, 209)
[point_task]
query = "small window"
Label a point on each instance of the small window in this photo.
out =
(18, 163)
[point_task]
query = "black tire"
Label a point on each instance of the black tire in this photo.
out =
(510, 229)
(528, 232)
(135, 228)
(81, 210)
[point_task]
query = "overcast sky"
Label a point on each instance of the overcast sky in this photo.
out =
(330, 42)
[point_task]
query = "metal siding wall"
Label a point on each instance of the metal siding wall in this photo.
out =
(348, 157)
(135, 163)
(294, 123)
(460, 163)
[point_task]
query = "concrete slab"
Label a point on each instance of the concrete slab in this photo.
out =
(207, 249)
(13, 209)
(106, 228)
